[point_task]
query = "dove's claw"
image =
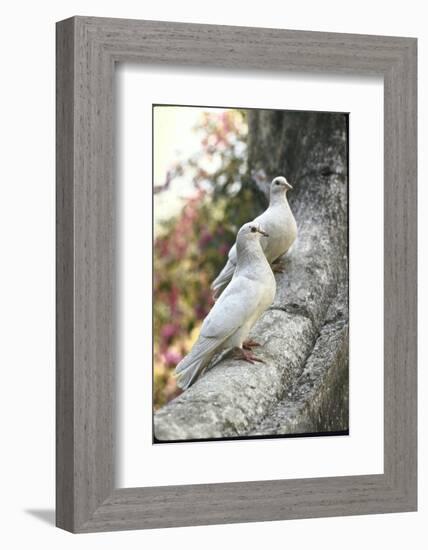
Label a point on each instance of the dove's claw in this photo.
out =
(248, 356)
(278, 266)
(251, 358)
(250, 344)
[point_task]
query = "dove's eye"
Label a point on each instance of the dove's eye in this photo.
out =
(277, 183)
(253, 230)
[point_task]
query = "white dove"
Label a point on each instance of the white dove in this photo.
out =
(227, 325)
(278, 221)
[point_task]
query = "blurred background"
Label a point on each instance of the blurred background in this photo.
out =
(200, 200)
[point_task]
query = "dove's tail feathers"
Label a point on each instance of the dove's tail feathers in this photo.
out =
(223, 279)
(196, 361)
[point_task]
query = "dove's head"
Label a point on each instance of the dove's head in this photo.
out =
(250, 232)
(279, 185)
(248, 245)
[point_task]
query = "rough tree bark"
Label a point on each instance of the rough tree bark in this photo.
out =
(303, 385)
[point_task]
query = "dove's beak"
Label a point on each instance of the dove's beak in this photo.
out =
(288, 186)
(263, 232)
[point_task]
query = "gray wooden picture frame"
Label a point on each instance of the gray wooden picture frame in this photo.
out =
(87, 50)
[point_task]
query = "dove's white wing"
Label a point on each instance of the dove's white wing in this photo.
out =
(226, 274)
(233, 256)
(235, 306)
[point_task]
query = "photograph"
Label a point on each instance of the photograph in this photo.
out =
(250, 273)
(210, 263)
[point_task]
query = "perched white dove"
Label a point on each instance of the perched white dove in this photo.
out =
(227, 325)
(278, 221)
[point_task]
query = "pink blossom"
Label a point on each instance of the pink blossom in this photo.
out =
(171, 357)
(223, 249)
(173, 298)
(169, 330)
(200, 312)
(205, 238)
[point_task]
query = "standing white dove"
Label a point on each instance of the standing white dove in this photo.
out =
(227, 325)
(278, 221)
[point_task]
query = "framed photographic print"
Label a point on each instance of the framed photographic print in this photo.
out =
(236, 274)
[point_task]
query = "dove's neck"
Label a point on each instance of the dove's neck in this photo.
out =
(250, 256)
(278, 199)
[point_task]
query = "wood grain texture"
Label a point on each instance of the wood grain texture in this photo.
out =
(87, 49)
(64, 276)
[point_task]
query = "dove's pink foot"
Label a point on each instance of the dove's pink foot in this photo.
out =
(250, 344)
(248, 356)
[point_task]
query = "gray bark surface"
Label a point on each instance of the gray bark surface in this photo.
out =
(303, 384)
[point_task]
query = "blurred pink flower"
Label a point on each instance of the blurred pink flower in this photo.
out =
(173, 298)
(200, 312)
(223, 249)
(205, 238)
(169, 330)
(162, 246)
(171, 357)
